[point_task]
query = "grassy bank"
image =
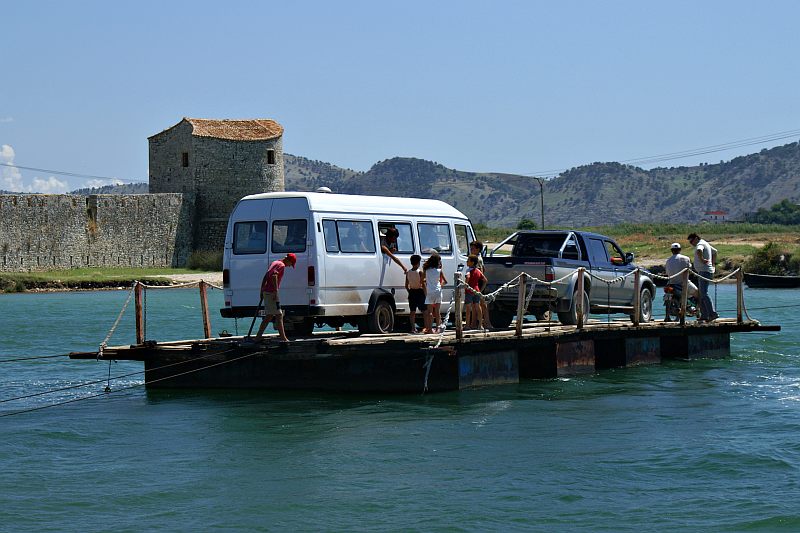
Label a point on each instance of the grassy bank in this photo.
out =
(86, 278)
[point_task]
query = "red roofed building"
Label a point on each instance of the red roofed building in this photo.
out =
(715, 216)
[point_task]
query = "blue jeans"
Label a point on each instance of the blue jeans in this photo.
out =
(706, 305)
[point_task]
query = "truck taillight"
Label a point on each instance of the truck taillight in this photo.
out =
(311, 277)
(549, 274)
(226, 278)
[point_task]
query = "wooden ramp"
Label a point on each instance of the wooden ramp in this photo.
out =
(405, 363)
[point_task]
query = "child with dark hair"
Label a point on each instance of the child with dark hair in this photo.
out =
(475, 281)
(416, 291)
(434, 279)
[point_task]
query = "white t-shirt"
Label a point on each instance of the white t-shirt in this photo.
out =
(705, 252)
(675, 264)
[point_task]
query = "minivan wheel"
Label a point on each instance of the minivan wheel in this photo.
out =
(381, 320)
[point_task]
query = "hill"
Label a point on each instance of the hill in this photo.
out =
(589, 195)
(125, 188)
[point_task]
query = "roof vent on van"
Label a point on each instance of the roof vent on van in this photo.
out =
(324, 189)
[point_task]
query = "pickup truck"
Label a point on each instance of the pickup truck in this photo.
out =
(551, 255)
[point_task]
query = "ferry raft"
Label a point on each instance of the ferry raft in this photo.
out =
(406, 363)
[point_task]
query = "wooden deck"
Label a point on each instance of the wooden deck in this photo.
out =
(405, 363)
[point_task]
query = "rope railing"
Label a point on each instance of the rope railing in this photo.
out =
(517, 281)
(140, 298)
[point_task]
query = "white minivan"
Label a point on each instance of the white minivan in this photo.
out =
(341, 276)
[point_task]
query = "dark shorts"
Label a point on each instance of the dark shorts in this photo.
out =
(472, 298)
(416, 300)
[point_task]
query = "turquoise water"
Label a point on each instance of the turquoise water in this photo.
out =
(700, 445)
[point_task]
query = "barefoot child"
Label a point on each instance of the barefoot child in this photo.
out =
(434, 279)
(416, 291)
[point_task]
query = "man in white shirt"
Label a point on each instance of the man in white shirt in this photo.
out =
(704, 265)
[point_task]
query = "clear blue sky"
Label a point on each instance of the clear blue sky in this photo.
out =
(519, 87)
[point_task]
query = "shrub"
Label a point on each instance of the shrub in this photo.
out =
(771, 259)
(205, 260)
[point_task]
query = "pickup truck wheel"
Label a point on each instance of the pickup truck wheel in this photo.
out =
(381, 320)
(570, 318)
(500, 318)
(645, 306)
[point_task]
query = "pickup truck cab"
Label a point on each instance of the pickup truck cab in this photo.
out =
(552, 255)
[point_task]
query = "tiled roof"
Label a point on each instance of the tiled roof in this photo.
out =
(257, 129)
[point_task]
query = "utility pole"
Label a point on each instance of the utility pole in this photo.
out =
(541, 193)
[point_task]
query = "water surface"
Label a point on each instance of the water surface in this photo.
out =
(700, 445)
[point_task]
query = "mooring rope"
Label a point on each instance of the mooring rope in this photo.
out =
(33, 358)
(116, 322)
(105, 392)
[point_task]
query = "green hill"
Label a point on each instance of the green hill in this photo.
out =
(589, 195)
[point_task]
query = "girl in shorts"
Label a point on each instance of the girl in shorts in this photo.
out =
(434, 279)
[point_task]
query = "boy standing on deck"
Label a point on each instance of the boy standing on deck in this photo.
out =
(476, 249)
(269, 295)
(416, 291)
(475, 281)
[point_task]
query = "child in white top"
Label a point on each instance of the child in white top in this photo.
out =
(434, 279)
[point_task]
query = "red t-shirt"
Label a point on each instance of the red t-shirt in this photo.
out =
(277, 267)
(474, 279)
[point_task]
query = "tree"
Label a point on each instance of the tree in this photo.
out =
(526, 223)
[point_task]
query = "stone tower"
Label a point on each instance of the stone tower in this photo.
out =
(215, 163)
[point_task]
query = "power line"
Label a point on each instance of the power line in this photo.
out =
(671, 156)
(71, 174)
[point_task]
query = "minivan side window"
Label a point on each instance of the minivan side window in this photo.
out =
(331, 240)
(405, 240)
(435, 238)
(250, 237)
(463, 238)
(356, 236)
(289, 236)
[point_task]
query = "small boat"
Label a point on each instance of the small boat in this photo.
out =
(767, 281)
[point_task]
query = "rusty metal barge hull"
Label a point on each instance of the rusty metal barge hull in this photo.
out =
(339, 361)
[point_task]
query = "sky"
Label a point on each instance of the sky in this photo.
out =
(527, 87)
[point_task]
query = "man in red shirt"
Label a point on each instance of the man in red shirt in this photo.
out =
(269, 295)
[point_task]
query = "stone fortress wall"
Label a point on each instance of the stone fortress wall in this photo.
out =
(199, 169)
(61, 231)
